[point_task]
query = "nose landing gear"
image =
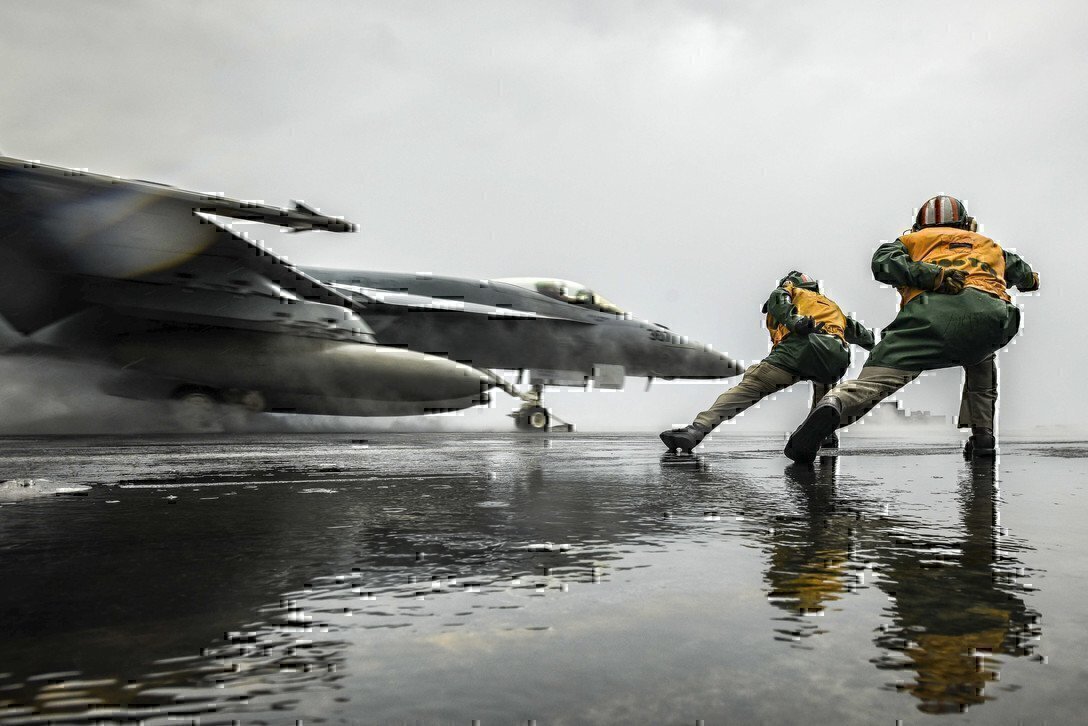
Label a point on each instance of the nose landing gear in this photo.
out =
(533, 416)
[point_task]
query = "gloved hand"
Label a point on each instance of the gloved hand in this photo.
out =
(1034, 284)
(804, 325)
(871, 342)
(951, 282)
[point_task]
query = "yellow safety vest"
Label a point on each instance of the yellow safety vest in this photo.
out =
(979, 257)
(810, 304)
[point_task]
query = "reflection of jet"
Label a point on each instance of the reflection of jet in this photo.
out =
(143, 277)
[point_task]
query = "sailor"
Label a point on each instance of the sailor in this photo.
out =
(809, 337)
(955, 311)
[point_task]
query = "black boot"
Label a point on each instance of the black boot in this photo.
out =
(831, 441)
(981, 445)
(684, 439)
(821, 422)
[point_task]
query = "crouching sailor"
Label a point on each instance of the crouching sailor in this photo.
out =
(955, 311)
(809, 337)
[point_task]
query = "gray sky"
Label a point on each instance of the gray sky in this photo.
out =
(677, 157)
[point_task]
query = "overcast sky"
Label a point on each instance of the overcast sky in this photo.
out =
(677, 157)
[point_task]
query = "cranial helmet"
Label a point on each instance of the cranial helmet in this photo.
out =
(800, 279)
(943, 211)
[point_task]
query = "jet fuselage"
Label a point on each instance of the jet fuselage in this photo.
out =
(560, 336)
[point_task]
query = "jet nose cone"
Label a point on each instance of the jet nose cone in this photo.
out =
(709, 363)
(720, 365)
(697, 360)
(691, 359)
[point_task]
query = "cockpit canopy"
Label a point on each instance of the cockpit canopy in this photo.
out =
(565, 291)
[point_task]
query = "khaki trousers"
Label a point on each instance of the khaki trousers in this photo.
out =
(977, 404)
(870, 388)
(758, 382)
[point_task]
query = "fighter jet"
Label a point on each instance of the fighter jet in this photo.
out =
(555, 332)
(155, 283)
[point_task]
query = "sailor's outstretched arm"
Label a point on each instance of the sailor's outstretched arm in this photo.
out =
(780, 306)
(858, 334)
(892, 265)
(1019, 273)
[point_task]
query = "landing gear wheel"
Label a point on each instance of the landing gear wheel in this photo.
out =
(534, 418)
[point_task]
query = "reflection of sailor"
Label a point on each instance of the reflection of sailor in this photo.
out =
(809, 564)
(954, 609)
(955, 311)
(809, 337)
(951, 618)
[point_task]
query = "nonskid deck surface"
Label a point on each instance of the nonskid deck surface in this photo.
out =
(256, 578)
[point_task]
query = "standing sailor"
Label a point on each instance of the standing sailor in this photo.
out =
(809, 337)
(955, 311)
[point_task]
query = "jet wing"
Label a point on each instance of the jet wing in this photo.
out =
(300, 217)
(376, 296)
(71, 240)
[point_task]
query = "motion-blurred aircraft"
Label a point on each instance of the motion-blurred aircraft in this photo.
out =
(152, 281)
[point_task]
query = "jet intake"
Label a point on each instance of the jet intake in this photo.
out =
(608, 377)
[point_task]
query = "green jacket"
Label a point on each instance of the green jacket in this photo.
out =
(780, 306)
(814, 357)
(892, 265)
(934, 330)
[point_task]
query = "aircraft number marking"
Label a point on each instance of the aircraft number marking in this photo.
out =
(664, 336)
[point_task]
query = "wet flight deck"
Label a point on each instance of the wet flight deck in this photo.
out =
(572, 578)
